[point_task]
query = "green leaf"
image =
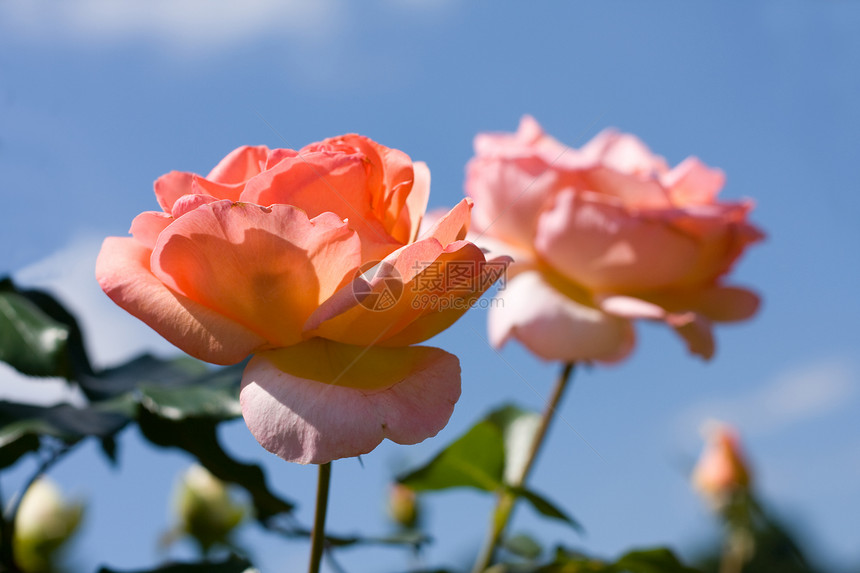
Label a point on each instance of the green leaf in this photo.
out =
(409, 538)
(478, 459)
(488, 457)
(546, 507)
(78, 361)
(232, 564)
(177, 403)
(219, 401)
(31, 341)
(21, 426)
(20, 445)
(524, 546)
(660, 560)
(475, 460)
(145, 370)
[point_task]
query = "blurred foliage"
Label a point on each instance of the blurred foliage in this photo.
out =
(232, 564)
(179, 403)
(176, 403)
(764, 543)
(486, 458)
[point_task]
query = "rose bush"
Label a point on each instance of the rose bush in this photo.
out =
(603, 235)
(264, 256)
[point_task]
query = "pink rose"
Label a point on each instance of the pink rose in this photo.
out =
(721, 470)
(263, 256)
(603, 235)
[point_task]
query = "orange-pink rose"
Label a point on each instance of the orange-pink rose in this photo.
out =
(265, 256)
(722, 469)
(603, 235)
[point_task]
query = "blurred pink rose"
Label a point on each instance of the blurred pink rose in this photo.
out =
(721, 470)
(602, 235)
(263, 256)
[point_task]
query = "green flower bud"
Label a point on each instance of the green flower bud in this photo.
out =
(43, 524)
(205, 509)
(403, 506)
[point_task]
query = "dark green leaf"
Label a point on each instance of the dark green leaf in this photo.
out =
(109, 448)
(232, 564)
(12, 451)
(523, 546)
(79, 362)
(658, 560)
(144, 370)
(213, 398)
(177, 403)
(31, 341)
(408, 537)
(546, 508)
(478, 458)
(475, 460)
(21, 425)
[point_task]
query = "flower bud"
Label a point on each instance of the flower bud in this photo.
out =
(43, 524)
(403, 506)
(722, 470)
(205, 509)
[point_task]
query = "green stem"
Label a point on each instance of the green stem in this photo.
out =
(318, 533)
(505, 500)
(733, 557)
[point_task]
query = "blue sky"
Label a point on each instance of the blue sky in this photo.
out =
(97, 99)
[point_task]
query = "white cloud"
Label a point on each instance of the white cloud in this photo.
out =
(191, 24)
(792, 397)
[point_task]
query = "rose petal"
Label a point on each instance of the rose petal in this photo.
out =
(509, 195)
(122, 270)
(390, 177)
(148, 225)
(718, 303)
(240, 165)
(635, 191)
(265, 268)
(190, 202)
(604, 247)
(630, 307)
(308, 421)
(323, 181)
(624, 153)
(453, 225)
(224, 191)
(693, 182)
(555, 327)
(408, 223)
(696, 332)
(693, 327)
(170, 187)
(528, 140)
